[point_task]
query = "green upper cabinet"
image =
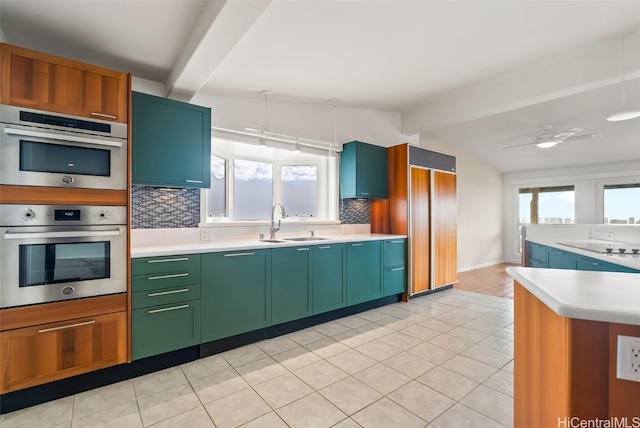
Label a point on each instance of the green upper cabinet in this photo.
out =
(363, 171)
(290, 284)
(171, 142)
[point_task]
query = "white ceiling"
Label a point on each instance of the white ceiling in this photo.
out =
(480, 75)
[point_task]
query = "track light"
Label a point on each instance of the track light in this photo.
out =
(626, 111)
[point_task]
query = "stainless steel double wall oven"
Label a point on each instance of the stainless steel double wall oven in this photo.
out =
(57, 252)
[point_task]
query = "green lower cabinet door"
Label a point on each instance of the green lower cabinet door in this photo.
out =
(159, 329)
(235, 293)
(290, 284)
(328, 277)
(364, 271)
(395, 281)
(558, 259)
(587, 263)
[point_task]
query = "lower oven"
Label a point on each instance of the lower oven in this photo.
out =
(53, 253)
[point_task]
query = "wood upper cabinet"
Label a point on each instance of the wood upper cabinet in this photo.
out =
(444, 209)
(45, 82)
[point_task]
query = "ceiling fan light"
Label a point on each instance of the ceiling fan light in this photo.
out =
(624, 115)
(546, 145)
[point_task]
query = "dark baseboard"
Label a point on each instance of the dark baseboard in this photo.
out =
(427, 292)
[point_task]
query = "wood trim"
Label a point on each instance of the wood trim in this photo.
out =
(398, 171)
(129, 205)
(10, 194)
(624, 395)
(24, 316)
(444, 208)
(380, 216)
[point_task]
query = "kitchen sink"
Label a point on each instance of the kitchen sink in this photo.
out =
(272, 241)
(305, 238)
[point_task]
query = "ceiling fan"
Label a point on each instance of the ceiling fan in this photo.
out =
(548, 139)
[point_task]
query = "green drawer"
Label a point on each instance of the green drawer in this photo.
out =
(537, 251)
(165, 296)
(395, 280)
(164, 328)
(394, 252)
(150, 265)
(155, 281)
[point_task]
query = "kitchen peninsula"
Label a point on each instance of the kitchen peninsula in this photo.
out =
(567, 325)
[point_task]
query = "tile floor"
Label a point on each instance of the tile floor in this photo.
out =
(443, 360)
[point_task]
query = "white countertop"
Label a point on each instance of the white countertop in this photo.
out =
(596, 296)
(629, 260)
(248, 244)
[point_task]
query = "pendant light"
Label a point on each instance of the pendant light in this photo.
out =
(626, 111)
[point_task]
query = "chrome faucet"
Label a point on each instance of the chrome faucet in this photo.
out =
(273, 229)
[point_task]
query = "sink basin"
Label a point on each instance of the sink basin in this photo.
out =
(305, 238)
(272, 241)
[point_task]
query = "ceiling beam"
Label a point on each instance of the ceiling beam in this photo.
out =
(220, 27)
(589, 69)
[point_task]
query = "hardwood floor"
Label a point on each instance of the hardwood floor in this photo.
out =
(492, 280)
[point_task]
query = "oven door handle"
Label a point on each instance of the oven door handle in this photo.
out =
(67, 234)
(65, 137)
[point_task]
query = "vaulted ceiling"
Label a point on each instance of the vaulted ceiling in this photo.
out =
(480, 75)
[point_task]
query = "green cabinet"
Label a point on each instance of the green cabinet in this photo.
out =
(537, 255)
(165, 303)
(290, 284)
(363, 171)
(588, 263)
(328, 277)
(171, 142)
(560, 259)
(236, 293)
(394, 264)
(364, 271)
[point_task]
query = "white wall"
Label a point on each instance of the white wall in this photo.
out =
(480, 209)
(588, 182)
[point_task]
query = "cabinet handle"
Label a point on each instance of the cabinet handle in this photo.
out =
(110, 116)
(324, 247)
(395, 269)
(180, 259)
(364, 193)
(173, 308)
(175, 275)
(356, 245)
(164, 293)
(303, 249)
(239, 254)
(193, 181)
(397, 242)
(45, 330)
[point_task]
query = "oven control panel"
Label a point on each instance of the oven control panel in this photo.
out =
(51, 215)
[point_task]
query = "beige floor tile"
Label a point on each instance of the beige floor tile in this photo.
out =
(373, 315)
(375, 330)
(451, 343)
(462, 416)
(237, 409)
(488, 356)
(430, 352)
(378, 350)
(420, 332)
(158, 381)
(401, 341)
(205, 367)
(243, 355)
(353, 338)
(497, 344)
(321, 374)
(350, 395)
(467, 367)
(107, 397)
(330, 329)
(491, 403)
(312, 411)
(448, 383)
(509, 367)
(384, 413)
(306, 336)
(421, 400)
(347, 423)
(277, 345)
(505, 333)
(167, 404)
(467, 313)
(44, 415)
(296, 358)
(409, 364)
(326, 347)
(502, 382)
(354, 321)
(282, 390)
(382, 378)
(270, 420)
(196, 418)
(394, 323)
(351, 361)
(261, 371)
(122, 416)
(452, 318)
(436, 324)
(219, 385)
(468, 334)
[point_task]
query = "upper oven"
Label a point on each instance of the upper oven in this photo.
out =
(39, 148)
(60, 252)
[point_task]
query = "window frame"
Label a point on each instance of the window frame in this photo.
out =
(600, 195)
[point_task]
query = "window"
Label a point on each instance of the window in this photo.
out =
(246, 181)
(547, 205)
(622, 203)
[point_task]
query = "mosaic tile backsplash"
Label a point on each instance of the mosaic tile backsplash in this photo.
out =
(155, 208)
